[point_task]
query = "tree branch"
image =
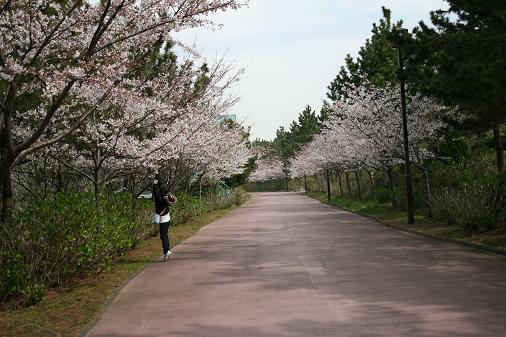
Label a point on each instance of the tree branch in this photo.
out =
(53, 31)
(159, 24)
(84, 174)
(50, 113)
(27, 151)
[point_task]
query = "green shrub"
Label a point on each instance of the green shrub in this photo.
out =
(74, 234)
(266, 186)
(383, 195)
(473, 205)
(238, 196)
(55, 240)
(13, 271)
(33, 294)
(469, 194)
(187, 207)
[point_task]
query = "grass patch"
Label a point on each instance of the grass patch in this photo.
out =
(65, 311)
(438, 228)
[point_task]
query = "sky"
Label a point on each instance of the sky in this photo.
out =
(292, 49)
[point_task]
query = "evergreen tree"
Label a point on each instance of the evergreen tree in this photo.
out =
(324, 113)
(376, 61)
(347, 77)
(303, 131)
(463, 63)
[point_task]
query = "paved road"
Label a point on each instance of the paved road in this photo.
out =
(287, 265)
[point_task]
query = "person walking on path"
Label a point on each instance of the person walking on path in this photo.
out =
(163, 201)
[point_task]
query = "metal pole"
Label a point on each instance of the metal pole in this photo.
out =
(407, 164)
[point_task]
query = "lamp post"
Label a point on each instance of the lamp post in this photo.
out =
(407, 163)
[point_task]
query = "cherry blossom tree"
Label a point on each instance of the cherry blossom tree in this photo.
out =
(62, 62)
(370, 117)
(365, 131)
(329, 151)
(269, 167)
(150, 132)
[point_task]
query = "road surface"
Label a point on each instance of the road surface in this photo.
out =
(287, 265)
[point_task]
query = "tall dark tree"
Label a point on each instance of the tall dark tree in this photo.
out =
(376, 61)
(288, 142)
(463, 63)
(325, 112)
(284, 146)
(303, 130)
(347, 77)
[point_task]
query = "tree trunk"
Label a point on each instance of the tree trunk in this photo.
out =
(340, 183)
(305, 184)
(189, 186)
(286, 181)
(391, 184)
(96, 184)
(499, 150)
(328, 183)
(357, 176)
(348, 184)
(41, 177)
(373, 186)
(60, 182)
(427, 191)
(332, 179)
(6, 161)
(6, 198)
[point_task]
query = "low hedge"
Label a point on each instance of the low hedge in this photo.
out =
(73, 234)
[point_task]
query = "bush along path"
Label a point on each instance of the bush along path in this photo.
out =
(494, 240)
(66, 309)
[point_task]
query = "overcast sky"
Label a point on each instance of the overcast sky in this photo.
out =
(292, 49)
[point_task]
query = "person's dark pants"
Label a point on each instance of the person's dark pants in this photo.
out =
(164, 235)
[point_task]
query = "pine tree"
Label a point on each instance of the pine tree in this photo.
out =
(376, 61)
(463, 62)
(303, 131)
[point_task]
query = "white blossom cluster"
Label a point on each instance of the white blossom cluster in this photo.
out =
(366, 131)
(269, 167)
(76, 64)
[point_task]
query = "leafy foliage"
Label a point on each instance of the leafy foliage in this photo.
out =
(53, 241)
(461, 60)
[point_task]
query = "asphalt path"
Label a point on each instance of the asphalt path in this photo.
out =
(287, 265)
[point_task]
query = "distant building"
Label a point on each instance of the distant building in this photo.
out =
(228, 117)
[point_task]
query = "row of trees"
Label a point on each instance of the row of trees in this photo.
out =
(458, 61)
(455, 105)
(365, 133)
(93, 94)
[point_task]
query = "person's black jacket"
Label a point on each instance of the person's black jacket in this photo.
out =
(161, 206)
